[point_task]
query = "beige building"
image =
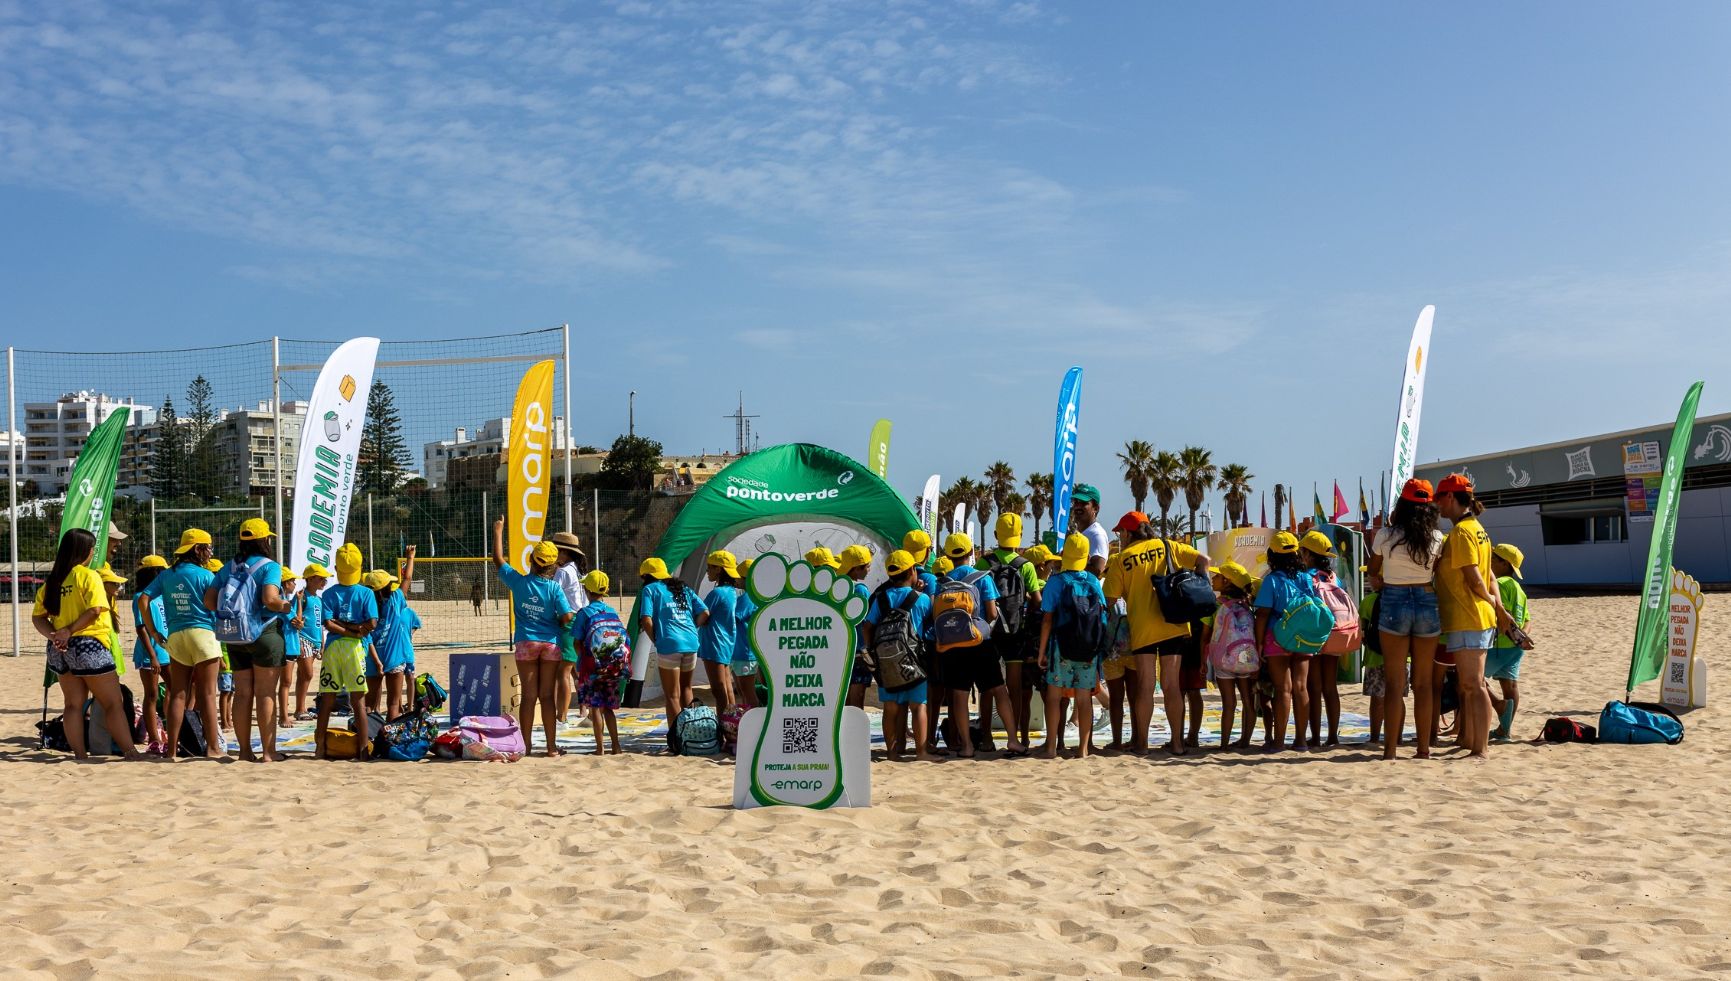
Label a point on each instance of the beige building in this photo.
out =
(245, 441)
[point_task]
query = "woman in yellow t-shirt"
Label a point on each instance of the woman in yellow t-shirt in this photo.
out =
(1471, 610)
(72, 612)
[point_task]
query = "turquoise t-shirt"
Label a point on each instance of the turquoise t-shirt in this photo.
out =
(182, 591)
(894, 596)
(392, 636)
(539, 603)
(743, 611)
(928, 583)
(675, 623)
(719, 637)
(350, 605)
(156, 620)
(860, 590)
(313, 612)
(987, 588)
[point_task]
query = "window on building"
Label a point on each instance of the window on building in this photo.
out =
(1583, 522)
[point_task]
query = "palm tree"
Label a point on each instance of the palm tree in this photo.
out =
(1165, 479)
(982, 506)
(1138, 462)
(1039, 497)
(1198, 474)
(1002, 480)
(1014, 503)
(960, 492)
(1235, 481)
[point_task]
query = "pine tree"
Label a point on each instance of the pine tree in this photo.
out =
(384, 456)
(199, 455)
(168, 457)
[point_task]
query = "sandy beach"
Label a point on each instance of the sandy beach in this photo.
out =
(1594, 860)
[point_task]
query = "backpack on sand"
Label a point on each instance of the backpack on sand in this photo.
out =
(96, 737)
(896, 645)
(238, 617)
(1081, 631)
(1639, 722)
(1563, 729)
(1305, 625)
(695, 732)
(491, 737)
(406, 738)
(1012, 593)
(958, 619)
(1346, 636)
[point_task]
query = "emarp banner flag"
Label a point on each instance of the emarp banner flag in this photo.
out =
(1064, 450)
(326, 464)
(529, 462)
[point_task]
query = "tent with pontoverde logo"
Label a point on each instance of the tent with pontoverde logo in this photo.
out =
(787, 499)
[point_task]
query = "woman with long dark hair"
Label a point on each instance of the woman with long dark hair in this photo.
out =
(670, 613)
(1403, 555)
(257, 666)
(73, 613)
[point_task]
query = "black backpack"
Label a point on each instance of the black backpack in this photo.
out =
(1012, 593)
(1185, 595)
(896, 645)
(1082, 632)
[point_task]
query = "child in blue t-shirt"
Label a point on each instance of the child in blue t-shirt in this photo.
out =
(309, 624)
(670, 612)
(605, 658)
(541, 612)
(898, 706)
(1285, 583)
(744, 664)
(718, 637)
(1068, 677)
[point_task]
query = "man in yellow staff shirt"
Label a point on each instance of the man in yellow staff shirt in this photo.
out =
(1153, 640)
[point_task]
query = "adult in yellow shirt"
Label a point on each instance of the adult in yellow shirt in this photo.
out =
(72, 612)
(1471, 609)
(1153, 640)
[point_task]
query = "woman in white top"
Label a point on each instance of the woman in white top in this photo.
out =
(1402, 557)
(570, 580)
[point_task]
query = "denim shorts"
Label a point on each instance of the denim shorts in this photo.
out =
(1409, 611)
(1469, 640)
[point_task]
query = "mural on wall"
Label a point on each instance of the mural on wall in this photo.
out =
(1715, 446)
(1580, 463)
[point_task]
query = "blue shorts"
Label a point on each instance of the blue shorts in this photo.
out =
(1504, 663)
(1409, 611)
(1074, 675)
(1468, 640)
(225, 683)
(913, 696)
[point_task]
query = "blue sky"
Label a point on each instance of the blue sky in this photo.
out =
(1229, 215)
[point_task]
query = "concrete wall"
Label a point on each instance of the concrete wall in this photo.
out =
(1703, 547)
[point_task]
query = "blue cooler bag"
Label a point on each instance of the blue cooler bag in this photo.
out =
(1642, 722)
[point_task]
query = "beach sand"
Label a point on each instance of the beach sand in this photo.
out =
(1598, 860)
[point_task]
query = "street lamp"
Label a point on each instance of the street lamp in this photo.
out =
(631, 414)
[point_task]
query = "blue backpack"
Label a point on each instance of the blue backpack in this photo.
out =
(696, 732)
(1639, 722)
(238, 617)
(406, 738)
(1081, 631)
(1303, 627)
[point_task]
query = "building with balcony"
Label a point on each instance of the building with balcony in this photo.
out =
(54, 433)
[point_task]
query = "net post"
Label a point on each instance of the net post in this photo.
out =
(486, 549)
(565, 330)
(596, 513)
(12, 441)
(153, 550)
(371, 554)
(276, 421)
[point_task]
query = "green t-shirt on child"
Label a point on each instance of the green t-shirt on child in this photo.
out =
(1515, 601)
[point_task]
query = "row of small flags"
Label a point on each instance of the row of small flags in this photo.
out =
(1318, 515)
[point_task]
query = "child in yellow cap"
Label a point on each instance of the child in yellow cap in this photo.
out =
(189, 634)
(1018, 581)
(905, 707)
(1070, 600)
(149, 654)
(540, 613)
(605, 664)
(1285, 583)
(671, 613)
(1503, 662)
(856, 564)
(308, 620)
(1317, 551)
(1232, 652)
(719, 637)
(351, 613)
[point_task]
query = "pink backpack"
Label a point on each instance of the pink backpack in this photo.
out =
(491, 737)
(1344, 638)
(1232, 646)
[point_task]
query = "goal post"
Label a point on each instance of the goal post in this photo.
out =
(460, 601)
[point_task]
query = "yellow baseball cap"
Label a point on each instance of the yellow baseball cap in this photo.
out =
(1316, 541)
(899, 561)
(544, 553)
(254, 529)
(917, 543)
(597, 583)
(1008, 530)
(745, 566)
(315, 571)
(1075, 552)
(1038, 554)
(192, 538)
(1255, 584)
(153, 562)
(1284, 543)
(288, 575)
(723, 560)
(1234, 573)
(821, 556)
(107, 574)
(653, 568)
(943, 566)
(958, 545)
(348, 564)
(853, 557)
(376, 579)
(214, 565)
(1510, 554)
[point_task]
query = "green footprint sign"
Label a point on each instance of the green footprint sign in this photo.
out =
(806, 751)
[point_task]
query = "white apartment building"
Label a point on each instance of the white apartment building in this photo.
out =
(489, 438)
(9, 440)
(54, 433)
(246, 447)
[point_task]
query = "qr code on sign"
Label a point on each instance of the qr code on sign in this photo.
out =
(1678, 676)
(799, 735)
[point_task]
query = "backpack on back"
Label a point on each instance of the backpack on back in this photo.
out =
(1639, 722)
(958, 619)
(1232, 645)
(605, 635)
(1346, 636)
(238, 618)
(1082, 632)
(1012, 593)
(1305, 625)
(695, 732)
(896, 645)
